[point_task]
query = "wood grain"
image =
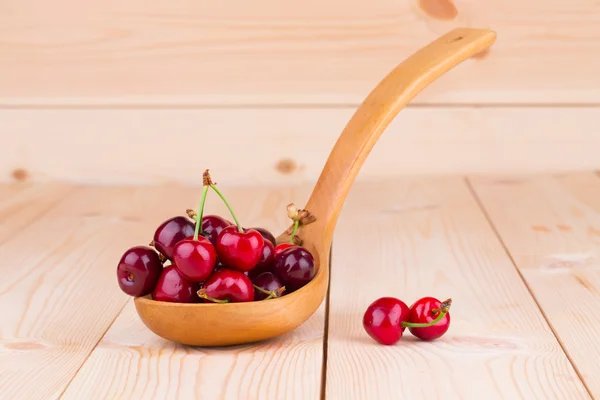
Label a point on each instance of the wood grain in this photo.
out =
(269, 52)
(415, 238)
(123, 146)
(24, 203)
(58, 292)
(551, 227)
(132, 363)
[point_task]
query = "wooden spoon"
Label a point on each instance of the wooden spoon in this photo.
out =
(236, 323)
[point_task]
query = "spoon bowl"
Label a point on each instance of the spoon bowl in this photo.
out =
(210, 324)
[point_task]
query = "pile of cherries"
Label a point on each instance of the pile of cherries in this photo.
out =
(215, 261)
(387, 317)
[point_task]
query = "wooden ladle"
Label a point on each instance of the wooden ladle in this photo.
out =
(207, 324)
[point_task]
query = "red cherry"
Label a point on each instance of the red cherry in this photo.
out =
(295, 266)
(170, 232)
(212, 225)
(195, 259)
(424, 311)
(268, 283)
(266, 235)
(240, 250)
(281, 247)
(227, 286)
(266, 261)
(174, 288)
(138, 271)
(383, 319)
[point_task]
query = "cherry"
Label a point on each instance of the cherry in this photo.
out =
(295, 267)
(170, 232)
(227, 286)
(383, 320)
(138, 271)
(174, 288)
(212, 225)
(266, 260)
(429, 311)
(266, 235)
(195, 258)
(267, 286)
(281, 247)
(240, 250)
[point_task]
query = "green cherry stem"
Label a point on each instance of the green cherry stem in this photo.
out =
(296, 223)
(208, 182)
(441, 311)
(272, 294)
(202, 294)
(200, 212)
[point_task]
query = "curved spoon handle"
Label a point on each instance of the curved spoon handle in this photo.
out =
(373, 116)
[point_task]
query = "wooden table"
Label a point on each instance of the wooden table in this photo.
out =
(519, 256)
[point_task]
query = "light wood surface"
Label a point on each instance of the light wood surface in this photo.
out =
(406, 237)
(413, 239)
(420, 141)
(273, 52)
(551, 227)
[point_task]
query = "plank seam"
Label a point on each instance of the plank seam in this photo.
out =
(512, 260)
(326, 331)
(62, 393)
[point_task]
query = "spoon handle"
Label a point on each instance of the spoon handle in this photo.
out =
(373, 116)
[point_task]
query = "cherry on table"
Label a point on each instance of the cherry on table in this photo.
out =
(195, 259)
(240, 250)
(295, 267)
(383, 320)
(173, 287)
(138, 271)
(267, 282)
(227, 286)
(170, 232)
(426, 310)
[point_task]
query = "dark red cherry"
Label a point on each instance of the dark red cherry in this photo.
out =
(424, 311)
(174, 288)
(266, 261)
(268, 282)
(195, 259)
(295, 267)
(240, 250)
(138, 271)
(281, 247)
(383, 320)
(170, 232)
(227, 286)
(266, 235)
(212, 225)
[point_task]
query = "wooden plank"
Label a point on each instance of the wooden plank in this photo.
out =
(269, 52)
(132, 363)
(551, 227)
(58, 292)
(415, 238)
(23, 203)
(124, 146)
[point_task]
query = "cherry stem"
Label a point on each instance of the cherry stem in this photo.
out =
(202, 294)
(441, 311)
(272, 294)
(228, 207)
(296, 223)
(200, 212)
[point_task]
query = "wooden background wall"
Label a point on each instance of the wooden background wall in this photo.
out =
(154, 91)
